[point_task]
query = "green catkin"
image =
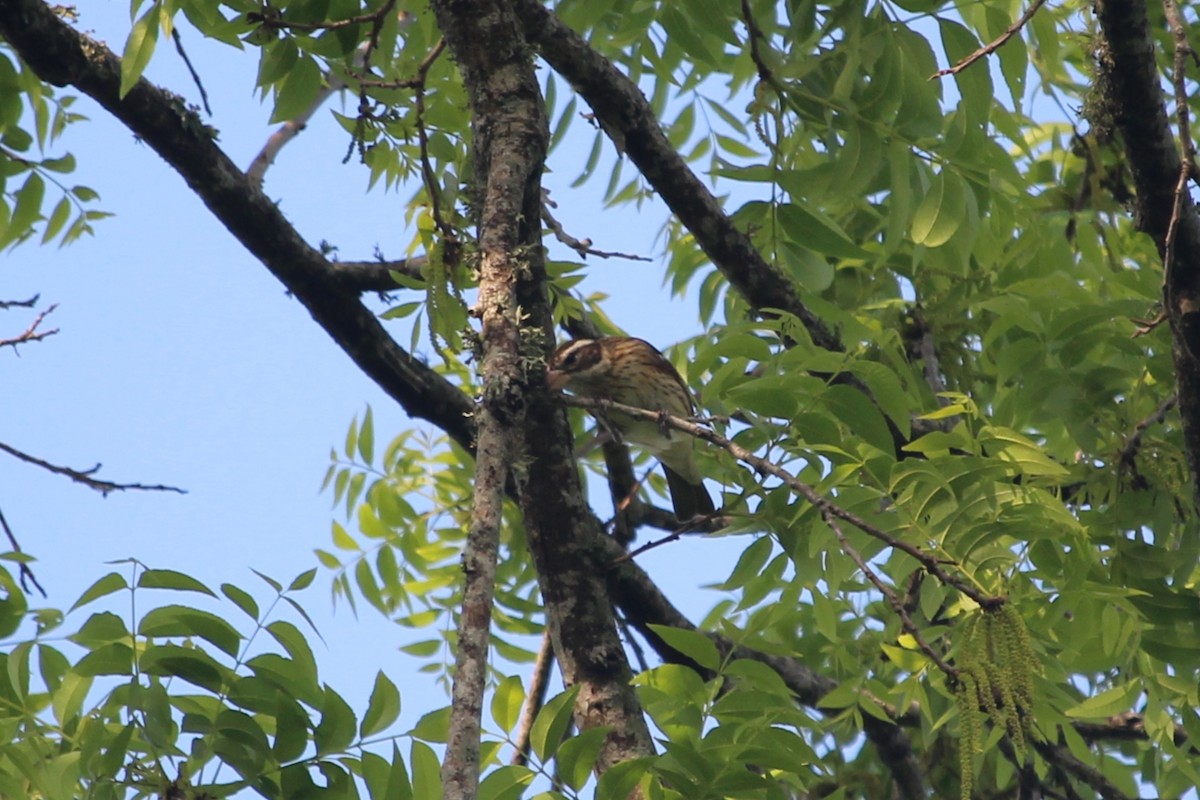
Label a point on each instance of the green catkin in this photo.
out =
(996, 663)
(970, 724)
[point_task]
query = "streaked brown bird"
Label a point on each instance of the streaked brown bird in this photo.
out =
(631, 371)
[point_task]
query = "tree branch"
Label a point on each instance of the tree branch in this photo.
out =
(993, 45)
(629, 120)
(86, 476)
(510, 148)
(31, 334)
(62, 56)
(1128, 80)
(824, 505)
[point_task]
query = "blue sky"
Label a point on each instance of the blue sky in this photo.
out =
(180, 360)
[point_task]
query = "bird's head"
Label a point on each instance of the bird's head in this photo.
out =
(577, 363)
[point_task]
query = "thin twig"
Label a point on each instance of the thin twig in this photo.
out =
(333, 84)
(931, 563)
(1128, 455)
(188, 62)
(84, 476)
(753, 35)
(535, 698)
(26, 574)
(893, 599)
(276, 24)
(30, 303)
(427, 176)
(1179, 80)
(31, 334)
(376, 30)
(993, 45)
(581, 246)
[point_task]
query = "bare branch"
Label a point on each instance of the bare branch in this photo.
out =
(581, 246)
(931, 563)
(993, 45)
(30, 303)
(26, 574)
(535, 698)
(178, 39)
(31, 334)
(86, 476)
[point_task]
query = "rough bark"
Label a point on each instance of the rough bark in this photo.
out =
(563, 534)
(508, 114)
(1129, 78)
(511, 135)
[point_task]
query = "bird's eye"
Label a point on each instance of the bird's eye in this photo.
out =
(571, 359)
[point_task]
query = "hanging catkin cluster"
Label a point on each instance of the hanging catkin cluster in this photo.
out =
(995, 682)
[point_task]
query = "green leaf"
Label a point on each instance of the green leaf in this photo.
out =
(241, 599)
(577, 756)
(110, 659)
(383, 708)
(366, 438)
(551, 723)
(813, 230)
(426, 772)
(298, 90)
(619, 781)
(693, 644)
(507, 701)
(506, 783)
(433, 727)
(169, 579)
(303, 580)
(58, 218)
(138, 48)
(176, 620)
(112, 582)
(192, 665)
(1117, 700)
(942, 211)
(28, 207)
(335, 731)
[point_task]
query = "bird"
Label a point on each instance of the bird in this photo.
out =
(632, 371)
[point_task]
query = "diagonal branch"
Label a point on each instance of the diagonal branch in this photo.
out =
(931, 563)
(993, 45)
(625, 113)
(62, 56)
(87, 476)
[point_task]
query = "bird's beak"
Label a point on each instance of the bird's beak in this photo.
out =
(556, 380)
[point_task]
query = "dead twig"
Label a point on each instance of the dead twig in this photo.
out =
(86, 476)
(581, 246)
(31, 334)
(25, 573)
(188, 63)
(993, 45)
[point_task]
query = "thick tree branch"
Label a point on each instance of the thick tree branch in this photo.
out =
(510, 147)
(628, 119)
(1129, 80)
(511, 135)
(61, 56)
